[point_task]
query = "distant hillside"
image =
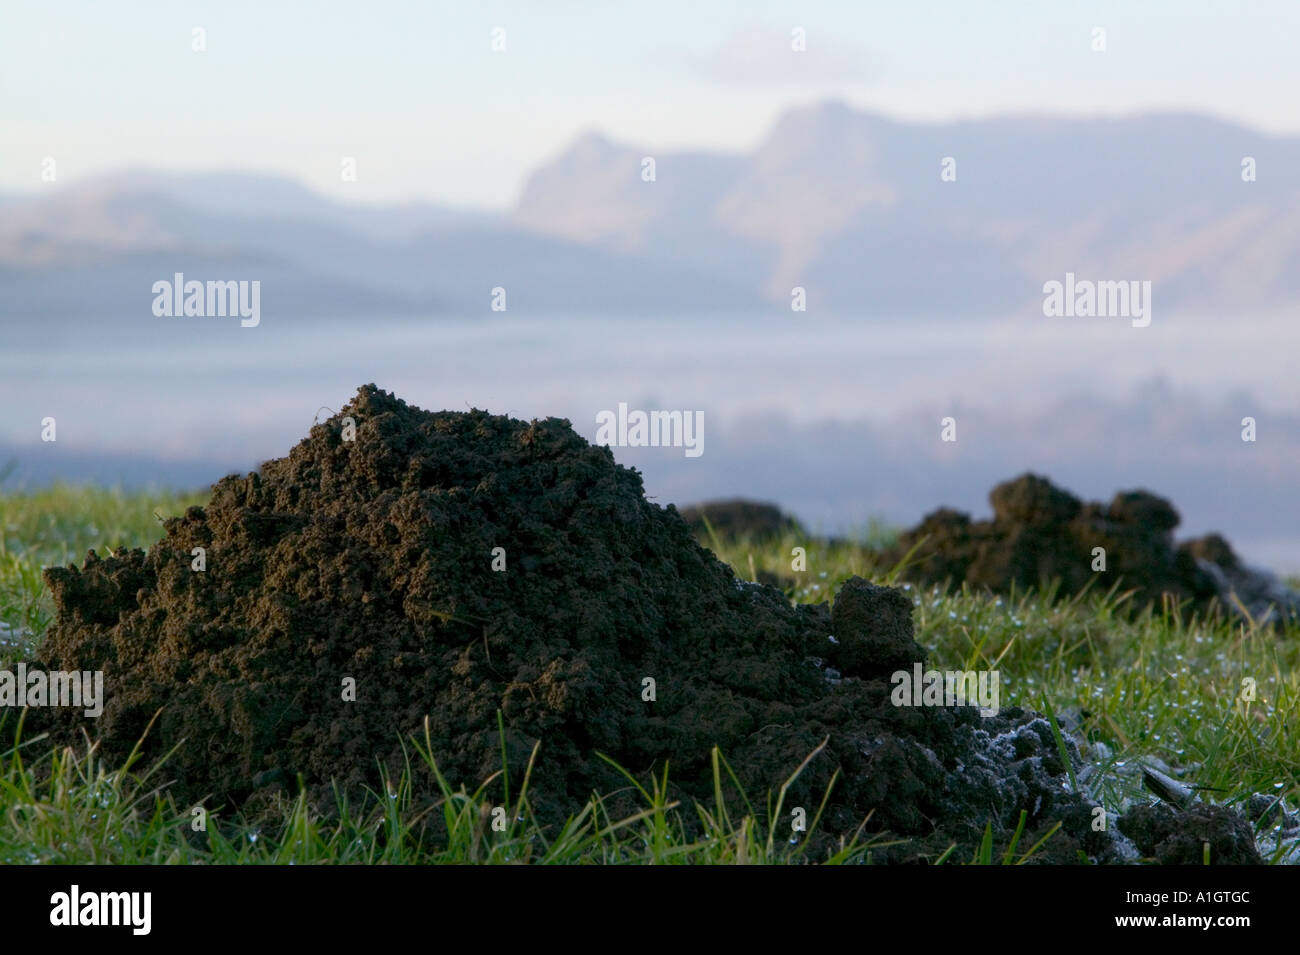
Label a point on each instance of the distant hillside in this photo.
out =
(92, 252)
(847, 204)
(851, 205)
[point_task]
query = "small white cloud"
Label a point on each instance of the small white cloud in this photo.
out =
(766, 57)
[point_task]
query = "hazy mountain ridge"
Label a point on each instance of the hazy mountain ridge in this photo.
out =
(849, 205)
(96, 249)
(852, 206)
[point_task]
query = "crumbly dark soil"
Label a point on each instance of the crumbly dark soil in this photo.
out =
(1170, 837)
(372, 560)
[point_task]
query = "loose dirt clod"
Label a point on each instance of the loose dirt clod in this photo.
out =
(460, 565)
(1170, 837)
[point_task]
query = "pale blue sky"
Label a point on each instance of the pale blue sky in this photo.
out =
(414, 91)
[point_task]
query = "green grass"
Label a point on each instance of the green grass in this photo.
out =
(1150, 685)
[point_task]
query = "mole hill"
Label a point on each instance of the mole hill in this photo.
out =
(510, 584)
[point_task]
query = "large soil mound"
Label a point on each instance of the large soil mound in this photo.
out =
(372, 560)
(1040, 533)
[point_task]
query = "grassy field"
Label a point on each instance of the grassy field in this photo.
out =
(1146, 687)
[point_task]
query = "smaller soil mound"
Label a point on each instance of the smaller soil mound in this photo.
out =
(1248, 590)
(738, 519)
(1040, 533)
